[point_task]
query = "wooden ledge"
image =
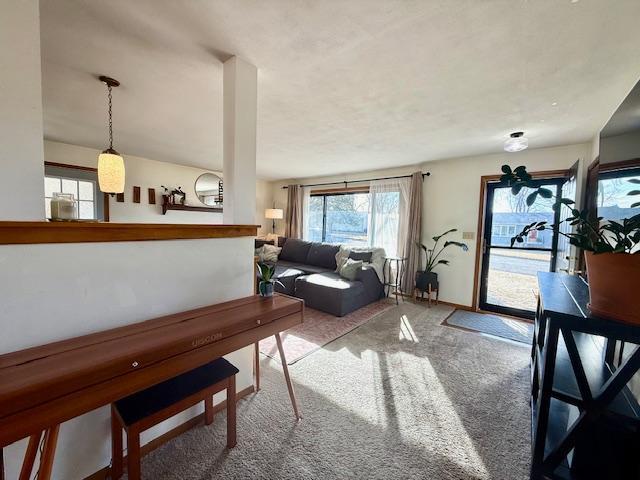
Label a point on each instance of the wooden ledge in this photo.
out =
(12, 233)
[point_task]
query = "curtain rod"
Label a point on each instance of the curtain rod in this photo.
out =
(346, 182)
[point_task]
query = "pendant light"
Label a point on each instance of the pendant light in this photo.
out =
(110, 162)
(516, 142)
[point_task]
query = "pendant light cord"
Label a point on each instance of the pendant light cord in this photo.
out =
(110, 121)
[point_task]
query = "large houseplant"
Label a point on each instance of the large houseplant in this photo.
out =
(427, 276)
(610, 248)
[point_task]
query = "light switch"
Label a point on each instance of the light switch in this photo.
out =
(468, 235)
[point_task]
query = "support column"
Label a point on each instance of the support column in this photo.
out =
(240, 84)
(21, 135)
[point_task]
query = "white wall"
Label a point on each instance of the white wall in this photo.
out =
(21, 156)
(147, 173)
(57, 291)
(451, 200)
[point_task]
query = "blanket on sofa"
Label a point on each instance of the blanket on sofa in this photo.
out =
(377, 258)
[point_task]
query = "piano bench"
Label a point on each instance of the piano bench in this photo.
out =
(144, 409)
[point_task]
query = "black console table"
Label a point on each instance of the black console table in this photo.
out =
(585, 420)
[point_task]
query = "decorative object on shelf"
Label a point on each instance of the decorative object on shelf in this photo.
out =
(427, 279)
(63, 207)
(516, 142)
(209, 189)
(274, 214)
(613, 270)
(120, 197)
(136, 194)
(152, 196)
(110, 162)
(267, 282)
(178, 196)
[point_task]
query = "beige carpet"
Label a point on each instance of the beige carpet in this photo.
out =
(401, 397)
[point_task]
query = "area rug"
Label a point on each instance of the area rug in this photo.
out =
(319, 329)
(376, 404)
(515, 330)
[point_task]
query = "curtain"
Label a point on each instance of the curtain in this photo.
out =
(306, 199)
(293, 219)
(411, 250)
(388, 215)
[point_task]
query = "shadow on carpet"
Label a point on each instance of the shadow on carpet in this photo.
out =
(515, 330)
(319, 329)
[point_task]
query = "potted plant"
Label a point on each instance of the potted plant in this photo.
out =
(610, 249)
(266, 284)
(427, 276)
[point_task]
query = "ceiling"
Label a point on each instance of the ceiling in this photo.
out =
(342, 86)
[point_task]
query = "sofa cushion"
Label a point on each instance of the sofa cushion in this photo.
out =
(259, 242)
(295, 250)
(322, 255)
(306, 268)
(351, 269)
(364, 256)
(287, 277)
(331, 293)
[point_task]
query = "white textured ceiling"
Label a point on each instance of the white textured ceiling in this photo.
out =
(343, 85)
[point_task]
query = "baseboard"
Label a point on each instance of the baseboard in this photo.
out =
(105, 473)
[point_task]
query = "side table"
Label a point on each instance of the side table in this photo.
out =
(389, 280)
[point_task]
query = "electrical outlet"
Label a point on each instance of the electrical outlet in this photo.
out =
(468, 235)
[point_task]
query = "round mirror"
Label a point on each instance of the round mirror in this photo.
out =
(209, 189)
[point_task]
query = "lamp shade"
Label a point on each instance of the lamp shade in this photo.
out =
(111, 172)
(273, 213)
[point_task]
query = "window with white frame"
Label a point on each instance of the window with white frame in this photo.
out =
(84, 193)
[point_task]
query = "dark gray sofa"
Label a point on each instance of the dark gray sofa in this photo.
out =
(307, 270)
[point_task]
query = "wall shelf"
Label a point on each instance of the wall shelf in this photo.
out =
(189, 208)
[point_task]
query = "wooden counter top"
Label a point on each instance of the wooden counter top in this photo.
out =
(12, 233)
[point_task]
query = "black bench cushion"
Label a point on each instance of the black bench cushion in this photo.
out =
(155, 399)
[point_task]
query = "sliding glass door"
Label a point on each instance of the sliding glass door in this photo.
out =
(509, 275)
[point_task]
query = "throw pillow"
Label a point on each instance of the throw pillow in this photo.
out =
(258, 252)
(270, 253)
(364, 256)
(351, 269)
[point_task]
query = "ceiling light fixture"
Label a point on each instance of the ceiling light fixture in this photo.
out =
(516, 142)
(110, 162)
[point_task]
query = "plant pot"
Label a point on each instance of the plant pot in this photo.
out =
(614, 282)
(266, 289)
(424, 279)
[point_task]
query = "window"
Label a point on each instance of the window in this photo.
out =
(339, 218)
(84, 191)
(614, 201)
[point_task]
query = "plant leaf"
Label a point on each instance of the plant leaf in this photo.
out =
(506, 169)
(545, 192)
(531, 199)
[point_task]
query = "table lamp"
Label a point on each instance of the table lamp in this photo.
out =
(274, 214)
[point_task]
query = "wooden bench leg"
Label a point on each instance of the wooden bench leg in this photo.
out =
(208, 409)
(285, 368)
(133, 454)
(117, 453)
(48, 453)
(256, 367)
(30, 457)
(231, 412)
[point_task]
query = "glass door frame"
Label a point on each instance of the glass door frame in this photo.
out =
(491, 187)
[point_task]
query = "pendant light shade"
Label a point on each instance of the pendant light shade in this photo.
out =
(111, 172)
(110, 163)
